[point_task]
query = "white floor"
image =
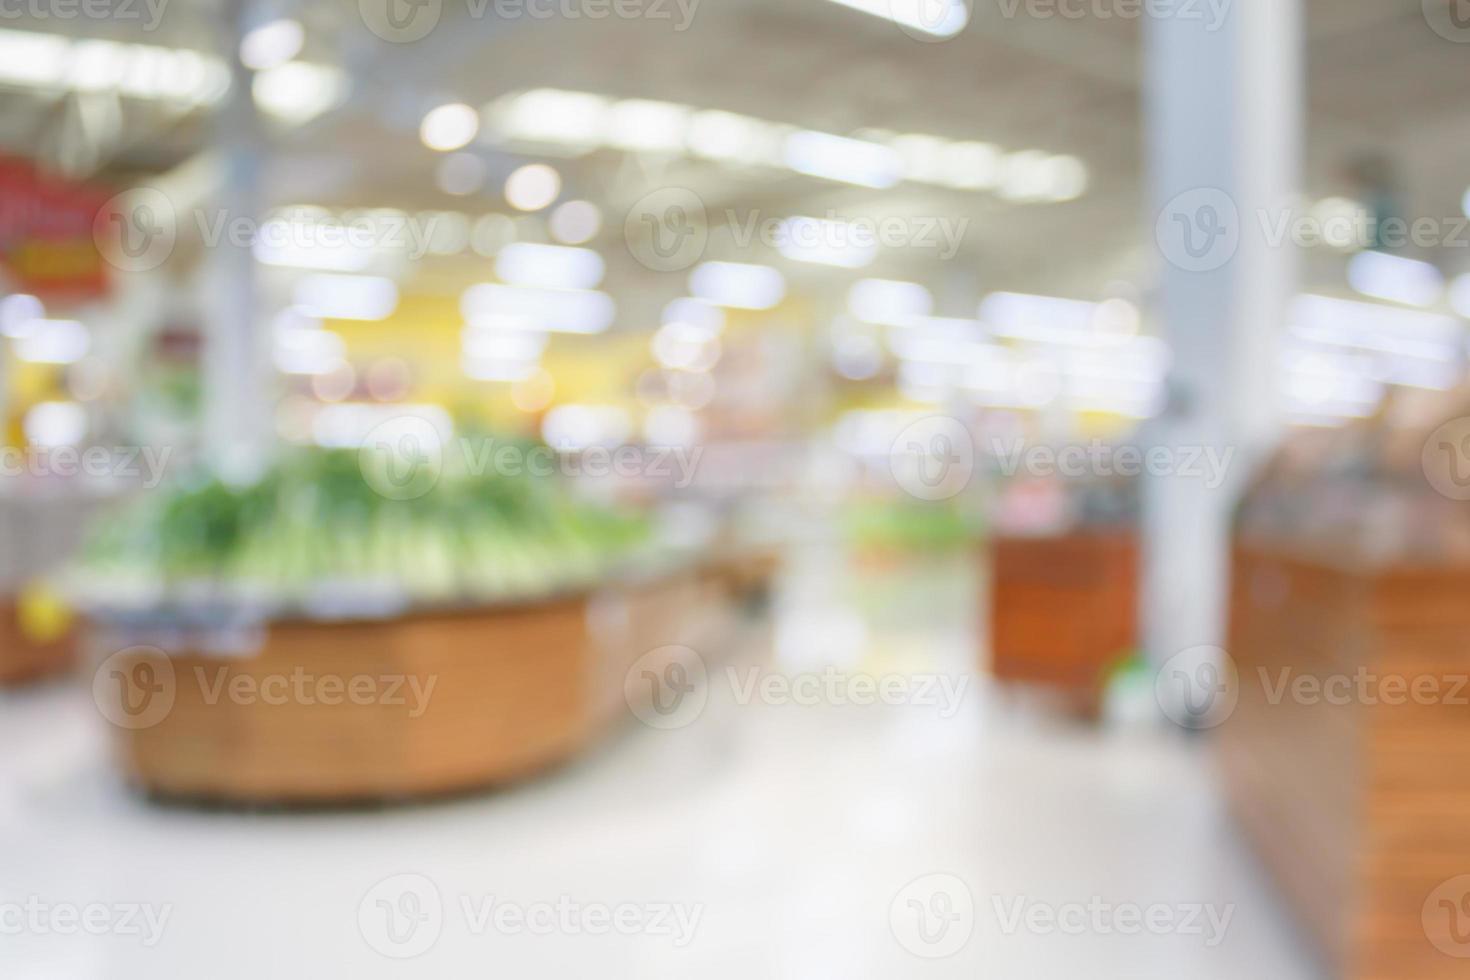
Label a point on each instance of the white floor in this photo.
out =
(795, 841)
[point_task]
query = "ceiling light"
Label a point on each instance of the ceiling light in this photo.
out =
(297, 91)
(826, 242)
(449, 127)
(695, 313)
(936, 18)
(340, 297)
(532, 187)
(272, 44)
(549, 266)
(560, 310)
(888, 301)
(839, 158)
(53, 342)
(642, 124)
(738, 284)
(969, 165)
(552, 116)
(19, 313)
(1393, 277)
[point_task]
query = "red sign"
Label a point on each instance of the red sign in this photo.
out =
(46, 243)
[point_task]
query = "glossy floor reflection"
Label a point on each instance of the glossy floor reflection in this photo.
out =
(764, 838)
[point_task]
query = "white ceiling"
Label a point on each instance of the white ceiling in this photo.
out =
(1380, 82)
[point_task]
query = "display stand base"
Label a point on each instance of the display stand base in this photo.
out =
(424, 705)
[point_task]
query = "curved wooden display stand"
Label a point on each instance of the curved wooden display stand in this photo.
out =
(515, 689)
(22, 659)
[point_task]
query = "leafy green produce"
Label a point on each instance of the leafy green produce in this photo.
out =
(906, 525)
(313, 522)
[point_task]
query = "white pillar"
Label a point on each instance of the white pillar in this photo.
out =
(1223, 100)
(238, 410)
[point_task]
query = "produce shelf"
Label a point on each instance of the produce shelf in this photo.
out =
(516, 688)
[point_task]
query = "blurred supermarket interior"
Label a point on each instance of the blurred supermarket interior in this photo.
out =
(734, 488)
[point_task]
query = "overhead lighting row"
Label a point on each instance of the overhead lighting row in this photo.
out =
(292, 91)
(574, 123)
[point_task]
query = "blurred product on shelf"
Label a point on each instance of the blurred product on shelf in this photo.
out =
(322, 530)
(1064, 584)
(884, 530)
(1064, 611)
(36, 638)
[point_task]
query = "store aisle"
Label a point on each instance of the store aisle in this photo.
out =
(771, 838)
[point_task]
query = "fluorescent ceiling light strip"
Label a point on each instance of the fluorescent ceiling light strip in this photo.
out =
(936, 18)
(574, 123)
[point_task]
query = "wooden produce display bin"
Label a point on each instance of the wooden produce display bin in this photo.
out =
(1358, 797)
(26, 657)
(1064, 609)
(516, 689)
